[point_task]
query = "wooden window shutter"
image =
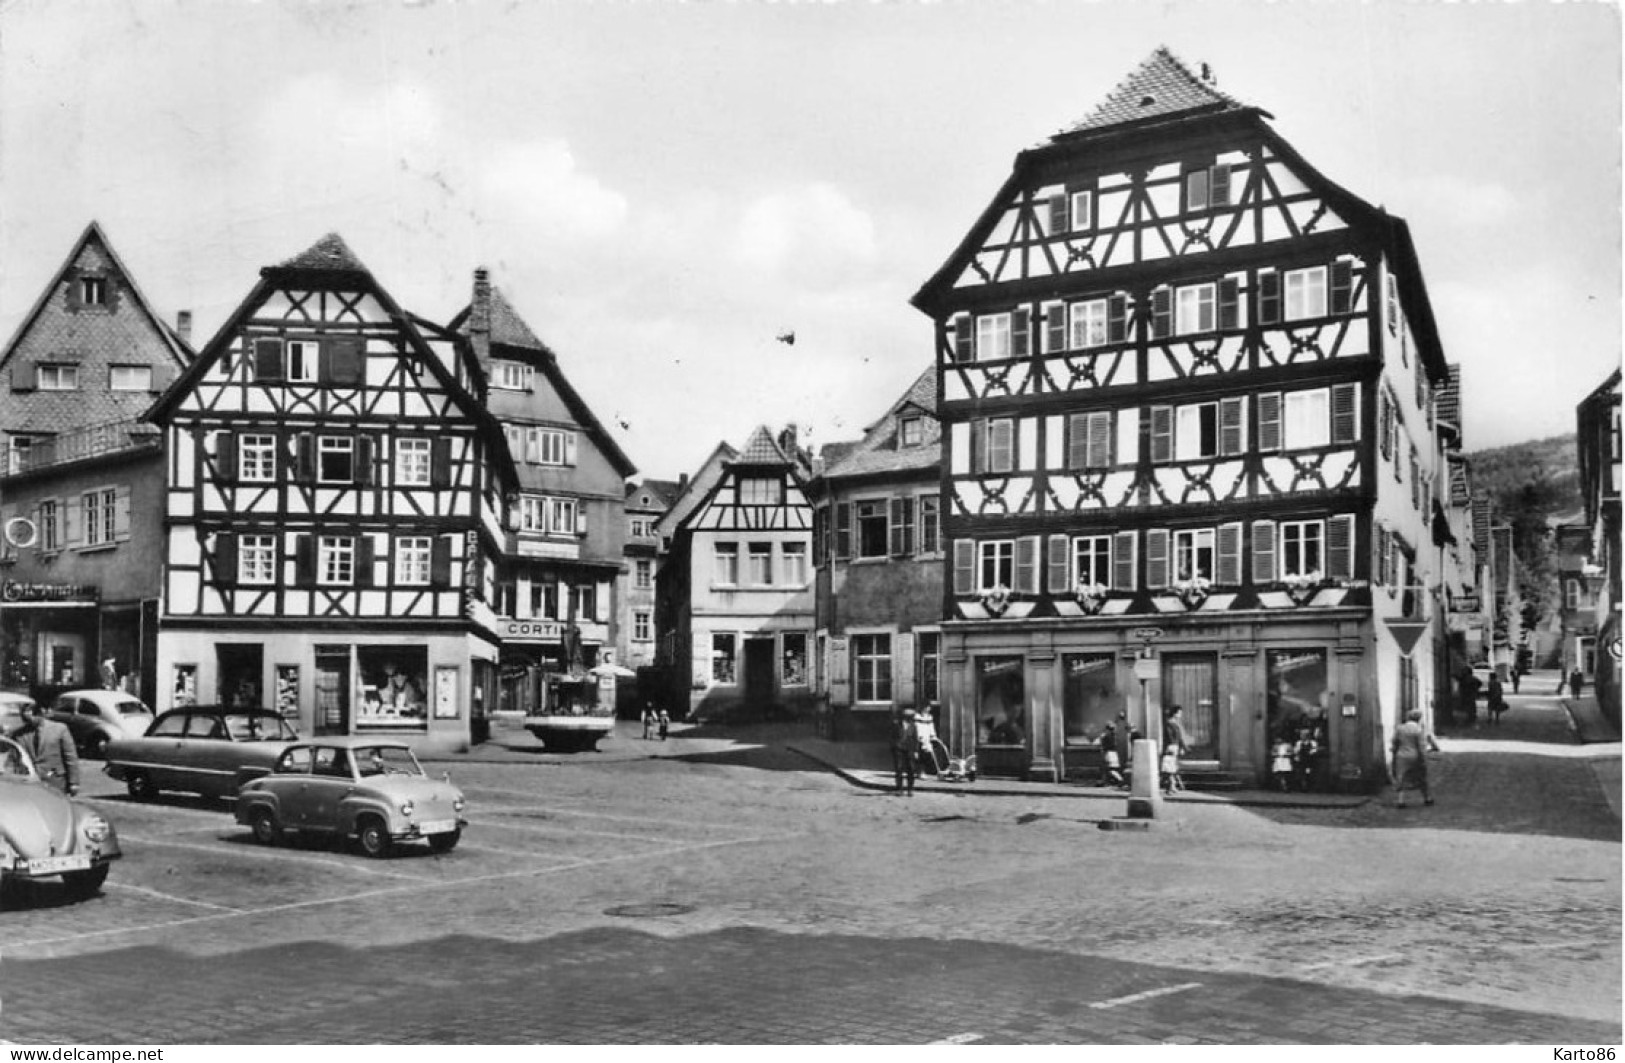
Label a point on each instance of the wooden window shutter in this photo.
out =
(1269, 421)
(1219, 186)
(304, 560)
(225, 559)
(225, 457)
(843, 530)
(1227, 570)
(964, 566)
(600, 603)
(440, 463)
(899, 527)
(121, 513)
(1380, 546)
(1229, 303)
(1340, 546)
(1156, 558)
(305, 450)
(24, 377)
(1162, 312)
(1263, 551)
(1233, 425)
(1021, 332)
(1054, 326)
(1058, 566)
(1269, 298)
(1058, 221)
(961, 328)
(1342, 286)
(1027, 564)
(363, 459)
(440, 562)
(1124, 549)
(1100, 440)
(267, 359)
(1345, 413)
(1077, 440)
(364, 552)
(345, 361)
(1117, 319)
(73, 521)
(1162, 435)
(978, 447)
(1001, 444)
(1385, 435)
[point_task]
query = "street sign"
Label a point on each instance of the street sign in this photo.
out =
(1406, 633)
(1147, 634)
(1147, 669)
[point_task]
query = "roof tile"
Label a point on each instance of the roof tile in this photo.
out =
(1159, 87)
(329, 253)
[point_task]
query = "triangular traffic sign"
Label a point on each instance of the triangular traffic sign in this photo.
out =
(1406, 633)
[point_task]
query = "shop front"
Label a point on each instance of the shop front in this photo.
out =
(62, 636)
(1032, 699)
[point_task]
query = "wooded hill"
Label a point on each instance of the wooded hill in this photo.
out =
(1528, 484)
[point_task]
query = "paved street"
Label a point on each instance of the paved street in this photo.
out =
(707, 890)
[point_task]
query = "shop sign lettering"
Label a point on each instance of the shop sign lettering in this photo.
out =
(14, 591)
(533, 629)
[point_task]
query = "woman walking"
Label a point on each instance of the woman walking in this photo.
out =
(1412, 742)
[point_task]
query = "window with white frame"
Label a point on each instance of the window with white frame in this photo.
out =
(547, 515)
(760, 563)
(18, 448)
(1193, 554)
(871, 668)
(50, 527)
(335, 560)
(911, 431)
(335, 460)
(1306, 418)
(302, 356)
(1303, 548)
(256, 458)
(794, 556)
(1196, 431)
(584, 597)
(1087, 324)
(642, 628)
(873, 527)
(93, 291)
(1083, 214)
(642, 527)
(554, 446)
(992, 337)
(1001, 444)
(644, 573)
(1196, 190)
(563, 516)
(129, 378)
(510, 376)
(1194, 308)
(996, 564)
(930, 527)
(413, 461)
(761, 490)
(412, 560)
(1305, 293)
(256, 559)
(1092, 560)
(725, 567)
(57, 378)
(101, 514)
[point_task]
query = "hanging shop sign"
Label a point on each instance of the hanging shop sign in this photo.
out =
(15, 591)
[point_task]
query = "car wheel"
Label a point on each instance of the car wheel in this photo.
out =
(445, 843)
(262, 821)
(139, 783)
(373, 837)
(82, 884)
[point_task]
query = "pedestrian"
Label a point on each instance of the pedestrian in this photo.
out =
(1125, 746)
(905, 744)
(925, 743)
(1562, 680)
(650, 720)
(110, 674)
(1173, 747)
(665, 723)
(1304, 757)
(1469, 697)
(1496, 700)
(1281, 763)
(1111, 770)
(1412, 742)
(50, 746)
(1517, 674)
(1577, 682)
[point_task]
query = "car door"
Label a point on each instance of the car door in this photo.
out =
(203, 750)
(160, 753)
(331, 780)
(290, 781)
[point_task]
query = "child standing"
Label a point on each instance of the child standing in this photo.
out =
(1281, 764)
(1111, 763)
(665, 724)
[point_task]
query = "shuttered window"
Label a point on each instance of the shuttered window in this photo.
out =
(1027, 564)
(1058, 561)
(1090, 442)
(1345, 413)
(1054, 327)
(1342, 286)
(1228, 567)
(1156, 558)
(1269, 298)
(843, 530)
(1269, 421)
(1219, 185)
(1117, 319)
(1230, 304)
(960, 337)
(1001, 445)
(267, 360)
(1385, 432)
(1124, 560)
(1162, 434)
(1340, 546)
(1263, 551)
(1057, 214)
(1162, 313)
(964, 566)
(1233, 425)
(1021, 332)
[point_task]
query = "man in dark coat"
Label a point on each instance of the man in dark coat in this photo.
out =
(50, 746)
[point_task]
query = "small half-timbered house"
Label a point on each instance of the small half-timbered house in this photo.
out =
(81, 484)
(1186, 386)
(335, 494)
(1598, 439)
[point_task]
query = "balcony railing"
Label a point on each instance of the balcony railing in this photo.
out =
(93, 442)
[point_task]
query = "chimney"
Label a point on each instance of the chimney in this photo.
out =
(1207, 75)
(479, 316)
(183, 326)
(682, 482)
(787, 441)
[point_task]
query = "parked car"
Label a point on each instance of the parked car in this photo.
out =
(204, 749)
(96, 717)
(373, 790)
(45, 835)
(11, 711)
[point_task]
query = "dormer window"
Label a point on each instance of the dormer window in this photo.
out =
(510, 376)
(93, 291)
(1206, 188)
(911, 431)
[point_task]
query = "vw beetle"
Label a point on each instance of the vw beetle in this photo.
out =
(45, 835)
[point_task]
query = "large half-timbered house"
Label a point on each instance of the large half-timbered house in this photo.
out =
(335, 495)
(1186, 386)
(81, 484)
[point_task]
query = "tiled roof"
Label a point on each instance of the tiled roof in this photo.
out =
(761, 449)
(880, 451)
(329, 253)
(1159, 87)
(508, 327)
(661, 492)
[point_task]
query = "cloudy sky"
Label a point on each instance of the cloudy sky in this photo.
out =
(662, 188)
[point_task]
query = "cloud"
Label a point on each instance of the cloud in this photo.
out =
(812, 235)
(539, 185)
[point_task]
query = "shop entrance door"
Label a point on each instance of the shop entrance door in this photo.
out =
(758, 671)
(239, 679)
(1191, 681)
(332, 709)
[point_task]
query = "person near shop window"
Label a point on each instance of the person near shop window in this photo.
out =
(1173, 747)
(905, 744)
(401, 692)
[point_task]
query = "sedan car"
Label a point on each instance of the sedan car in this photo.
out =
(11, 711)
(45, 835)
(369, 789)
(201, 750)
(96, 717)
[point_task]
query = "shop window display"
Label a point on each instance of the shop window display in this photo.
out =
(1298, 698)
(1001, 702)
(393, 687)
(795, 659)
(1092, 698)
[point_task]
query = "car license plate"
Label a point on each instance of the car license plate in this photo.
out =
(437, 826)
(51, 865)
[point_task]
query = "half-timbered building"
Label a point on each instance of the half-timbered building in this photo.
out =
(1598, 439)
(877, 562)
(335, 494)
(736, 584)
(1186, 386)
(560, 579)
(81, 485)
(646, 502)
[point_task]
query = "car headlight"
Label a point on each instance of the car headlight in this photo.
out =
(406, 808)
(96, 828)
(457, 805)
